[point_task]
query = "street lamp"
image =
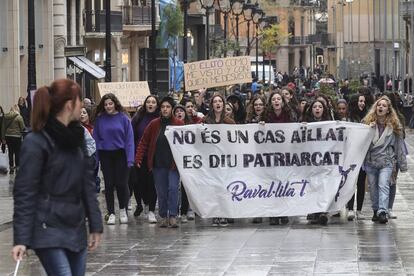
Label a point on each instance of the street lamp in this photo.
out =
(237, 10)
(108, 77)
(257, 17)
(207, 5)
(31, 62)
(248, 10)
(184, 7)
(265, 23)
(225, 8)
(351, 34)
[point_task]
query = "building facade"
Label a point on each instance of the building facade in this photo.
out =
(70, 43)
(14, 48)
(297, 23)
(369, 39)
(407, 15)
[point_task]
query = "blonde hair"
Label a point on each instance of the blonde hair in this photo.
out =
(391, 119)
(15, 108)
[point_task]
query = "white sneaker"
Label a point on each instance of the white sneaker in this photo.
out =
(391, 215)
(190, 215)
(111, 219)
(359, 215)
(351, 215)
(184, 219)
(123, 217)
(151, 217)
(130, 205)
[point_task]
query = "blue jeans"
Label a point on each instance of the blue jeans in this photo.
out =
(379, 186)
(62, 262)
(166, 183)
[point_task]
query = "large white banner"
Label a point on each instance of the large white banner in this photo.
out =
(239, 171)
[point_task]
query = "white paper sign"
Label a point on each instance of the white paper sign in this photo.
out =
(239, 171)
(129, 94)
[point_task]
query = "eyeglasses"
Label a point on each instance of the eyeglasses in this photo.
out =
(258, 104)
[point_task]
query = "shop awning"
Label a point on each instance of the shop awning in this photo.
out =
(88, 66)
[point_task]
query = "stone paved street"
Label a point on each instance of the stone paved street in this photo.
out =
(341, 248)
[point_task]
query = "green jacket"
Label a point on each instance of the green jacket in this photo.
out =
(13, 125)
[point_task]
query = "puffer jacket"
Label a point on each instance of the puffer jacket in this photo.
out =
(53, 196)
(386, 151)
(13, 125)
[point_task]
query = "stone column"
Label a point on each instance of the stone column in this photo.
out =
(283, 59)
(73, 22)
(297, 57)
(308, 57)
(81, 22)
(60, 38)
(133, 63)
(13, 44)
(117, 54)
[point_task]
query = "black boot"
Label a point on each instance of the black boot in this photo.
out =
(375, 217)
(273, 221)
(138, 210)
(382, 218)
(257, 220)
(323, 219)
(313, 218)
(284, 220)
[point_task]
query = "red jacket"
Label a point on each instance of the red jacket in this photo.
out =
(149, 141)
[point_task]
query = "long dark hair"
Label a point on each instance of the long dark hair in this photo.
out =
(355, 114)
(100, 108)
(143, 110)
(183, 102)
(211, 116)
(251, 114)
(309, 115)
(50, 100)
(285, 109)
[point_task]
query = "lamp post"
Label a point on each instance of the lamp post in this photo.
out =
(257, 18)
(225, 9)
(153, 49)
(31, 66)
(351, 35)
(108, 41)
(237, 10)
(207, 5)
(184, 7)
(248, 10)
(265, 23)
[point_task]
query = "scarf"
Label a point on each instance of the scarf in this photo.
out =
(379, 139)
(69, 137)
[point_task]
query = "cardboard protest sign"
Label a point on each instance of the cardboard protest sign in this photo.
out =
(130, 94)
(217, 72)
(271, 170)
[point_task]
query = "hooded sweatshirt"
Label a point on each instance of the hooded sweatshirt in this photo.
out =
(13, 125)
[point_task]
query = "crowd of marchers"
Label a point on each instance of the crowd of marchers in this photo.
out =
(57, 174)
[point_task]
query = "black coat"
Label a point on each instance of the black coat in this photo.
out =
(54, 191)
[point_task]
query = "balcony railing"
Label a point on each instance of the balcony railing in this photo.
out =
(303, 3)
(299, 40)
(136, 15)
(407, 8)
(95, 21)
(322, 39)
